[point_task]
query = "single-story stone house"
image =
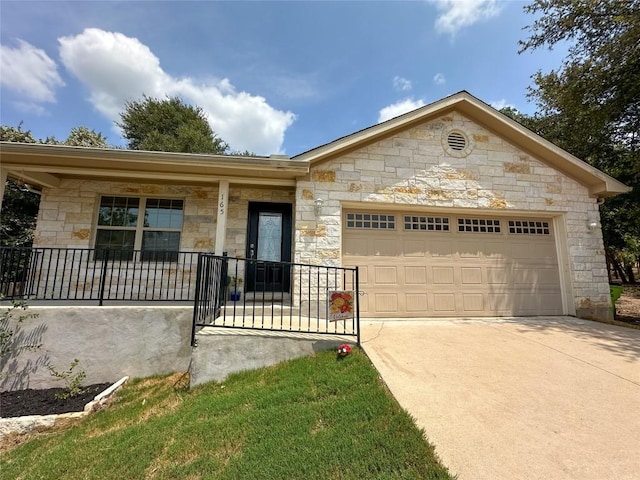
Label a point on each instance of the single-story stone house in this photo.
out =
(452, 209)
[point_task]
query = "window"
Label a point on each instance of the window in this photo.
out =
(528, 227)
(478, 225)
(152, 225)
(439, 224)
(371, 221)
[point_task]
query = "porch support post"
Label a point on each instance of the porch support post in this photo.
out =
(221, 223)
(3, 182)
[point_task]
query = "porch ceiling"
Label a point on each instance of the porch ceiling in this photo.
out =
(46, 165)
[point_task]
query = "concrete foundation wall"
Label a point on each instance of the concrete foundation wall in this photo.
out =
(221, 352)
(109, 342)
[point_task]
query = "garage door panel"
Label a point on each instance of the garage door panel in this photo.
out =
(498, 276)
(473, 302)
(363, 303)
(548, 277)
(524, 250)
(547, 251)
(440, 248)
(414, 273)
(549, 303)
(385, 247)
(444, 302)
(522, 276)
(496, 250)
(416, 303)
(385, 275)
(471, 275)
(442, 275)
(356, 246)
(414, 248)
(468, 249)
(386, 303)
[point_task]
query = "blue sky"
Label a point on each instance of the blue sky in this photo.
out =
(273, 77)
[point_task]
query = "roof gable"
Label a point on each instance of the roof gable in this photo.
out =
(598, 183)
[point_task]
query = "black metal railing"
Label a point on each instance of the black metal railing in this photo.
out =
(276, 296)
(70, 274)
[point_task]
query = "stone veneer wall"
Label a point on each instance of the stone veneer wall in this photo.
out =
(67, 218)
(414, 168)
(67, 214)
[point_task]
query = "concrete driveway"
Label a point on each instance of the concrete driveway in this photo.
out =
(517, 398)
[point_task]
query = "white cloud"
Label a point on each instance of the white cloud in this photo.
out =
(29, 71)
(30, 108)
(456, 14)
(398, 108)
(498, 104)
(401, 84)
(116, 68)
(439, 79)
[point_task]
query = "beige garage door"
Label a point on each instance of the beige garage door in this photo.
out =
(445, 265)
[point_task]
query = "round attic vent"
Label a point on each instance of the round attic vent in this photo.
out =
(457, 141)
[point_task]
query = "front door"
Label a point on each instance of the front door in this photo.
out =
(268, 240)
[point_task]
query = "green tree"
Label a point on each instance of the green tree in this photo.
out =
(83, 137)
(20, 204)
(168, 125)
(590, 106)
(16, 134)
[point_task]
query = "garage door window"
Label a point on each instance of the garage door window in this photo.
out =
(371, 221)
(478, 225)
(529, 227)
(427, 224)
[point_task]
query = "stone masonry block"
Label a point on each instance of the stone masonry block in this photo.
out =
(323, 176)
(517, 167)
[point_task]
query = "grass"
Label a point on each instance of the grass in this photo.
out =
(310, 418)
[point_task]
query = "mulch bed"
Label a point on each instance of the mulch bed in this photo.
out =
(44, 402)
(628, 305)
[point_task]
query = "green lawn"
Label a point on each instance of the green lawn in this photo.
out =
(311, 418)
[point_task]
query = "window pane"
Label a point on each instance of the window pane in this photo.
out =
(270, 237)
(118, 211)
(166, 241)
(163, 213)
(119, 243)
(160, 246)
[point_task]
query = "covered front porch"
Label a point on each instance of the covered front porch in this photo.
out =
(122, 225)
(135, 250)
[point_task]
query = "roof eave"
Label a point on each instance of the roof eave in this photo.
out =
(64, 160)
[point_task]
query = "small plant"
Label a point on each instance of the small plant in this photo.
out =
(234, 287)
(234, 282)
(73, 380)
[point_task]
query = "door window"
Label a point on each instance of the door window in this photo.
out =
(270, 236)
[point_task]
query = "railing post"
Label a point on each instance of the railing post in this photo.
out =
(196, 301)
(103, 276)
(223, 281)
(357, 295)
